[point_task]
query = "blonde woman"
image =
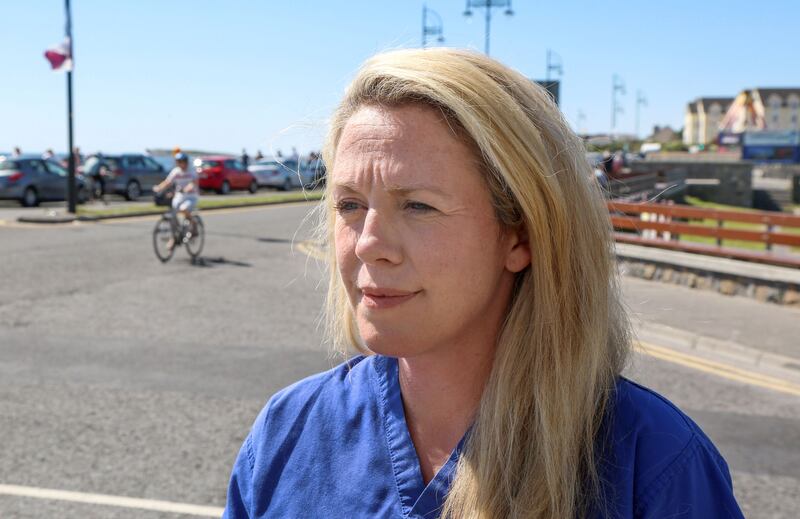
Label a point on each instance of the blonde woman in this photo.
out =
(471, 264)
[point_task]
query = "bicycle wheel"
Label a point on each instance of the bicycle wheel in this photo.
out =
(195, 241)
(162, 234)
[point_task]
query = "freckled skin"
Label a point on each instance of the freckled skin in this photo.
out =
(414, 214)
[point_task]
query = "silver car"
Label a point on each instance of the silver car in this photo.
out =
(31, 180)
(129, 174)
(280, 173)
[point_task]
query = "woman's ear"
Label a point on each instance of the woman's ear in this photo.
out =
(519, 253)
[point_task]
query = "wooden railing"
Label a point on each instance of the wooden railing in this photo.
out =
(667, 226)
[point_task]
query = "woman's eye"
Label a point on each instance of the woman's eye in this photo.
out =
(419, 207)
(346, 206)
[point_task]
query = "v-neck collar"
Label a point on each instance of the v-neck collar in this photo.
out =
(417, 499)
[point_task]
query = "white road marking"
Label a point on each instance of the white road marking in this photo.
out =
(109, 500)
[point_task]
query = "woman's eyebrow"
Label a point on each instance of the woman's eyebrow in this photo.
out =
(408, 189)
(348, 186)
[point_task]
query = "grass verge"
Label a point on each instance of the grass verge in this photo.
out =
(739, 244)
(205, 203)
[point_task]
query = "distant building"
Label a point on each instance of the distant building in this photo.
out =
(703, 118)
(663, 135)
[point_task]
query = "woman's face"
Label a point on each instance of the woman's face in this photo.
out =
(419, 249)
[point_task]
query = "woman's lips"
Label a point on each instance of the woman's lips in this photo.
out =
(384, 298)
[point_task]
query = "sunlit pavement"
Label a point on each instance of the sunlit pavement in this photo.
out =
(123, 377)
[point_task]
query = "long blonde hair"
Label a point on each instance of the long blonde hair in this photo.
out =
(532, 451)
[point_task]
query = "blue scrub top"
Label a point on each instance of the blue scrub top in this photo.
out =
(337, 445)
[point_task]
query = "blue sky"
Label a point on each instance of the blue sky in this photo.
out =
(223, 75)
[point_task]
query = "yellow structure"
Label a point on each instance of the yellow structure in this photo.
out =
(703, 119)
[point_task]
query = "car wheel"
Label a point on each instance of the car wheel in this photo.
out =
(30, 198)
(287, 184)
(225, 189)
(253, 186)
(133, 190)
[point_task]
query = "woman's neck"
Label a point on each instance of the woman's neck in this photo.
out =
(441, 392)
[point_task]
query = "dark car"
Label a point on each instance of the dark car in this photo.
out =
(223, 174)
(127, 174)
(32, 180)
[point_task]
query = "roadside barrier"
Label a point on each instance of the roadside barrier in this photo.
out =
(673, 226)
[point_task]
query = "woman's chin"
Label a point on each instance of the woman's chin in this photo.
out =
(391, 343)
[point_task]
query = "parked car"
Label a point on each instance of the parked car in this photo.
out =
(31, 180)
(128, 174)
(282, 173)
(315, 170)
(223, 174)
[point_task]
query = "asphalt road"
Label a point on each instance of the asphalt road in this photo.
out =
(120, 376)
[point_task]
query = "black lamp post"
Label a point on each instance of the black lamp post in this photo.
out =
(71, 190)
(488, 5)
(434, 28)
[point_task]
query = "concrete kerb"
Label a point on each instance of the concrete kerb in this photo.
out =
(667, 336)
(62, 218)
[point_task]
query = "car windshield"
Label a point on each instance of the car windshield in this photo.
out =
(206, 164)
(56, 168)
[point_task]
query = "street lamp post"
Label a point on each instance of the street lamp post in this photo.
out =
(617, 86)
(556, 64)
(435, 28)
(581, 121)
(488, 5)
(641, 100)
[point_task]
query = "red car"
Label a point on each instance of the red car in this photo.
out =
(223, 173)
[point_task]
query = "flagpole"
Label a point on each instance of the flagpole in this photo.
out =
(71, 191)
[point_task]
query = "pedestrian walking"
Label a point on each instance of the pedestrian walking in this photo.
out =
(245, 158)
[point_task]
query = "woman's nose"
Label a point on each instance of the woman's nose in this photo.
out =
(378, 242)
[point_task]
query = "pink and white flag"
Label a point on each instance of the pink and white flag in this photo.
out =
(60, 56)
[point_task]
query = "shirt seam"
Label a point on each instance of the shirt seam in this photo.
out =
(251, 457)
(384, 416)
(667, 475)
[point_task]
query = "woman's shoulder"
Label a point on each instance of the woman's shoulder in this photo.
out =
(639, 409)
(321, 394)
(656, 449)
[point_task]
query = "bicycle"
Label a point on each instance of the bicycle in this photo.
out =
(181, 232)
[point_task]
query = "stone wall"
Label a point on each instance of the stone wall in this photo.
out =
(764, 291)
(728, 181)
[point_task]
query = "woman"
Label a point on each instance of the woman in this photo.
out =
(472, 265)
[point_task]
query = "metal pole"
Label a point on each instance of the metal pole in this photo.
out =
(71, 191)
(488, 23)
(616, 86)
(424, 24)
(547, 75)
